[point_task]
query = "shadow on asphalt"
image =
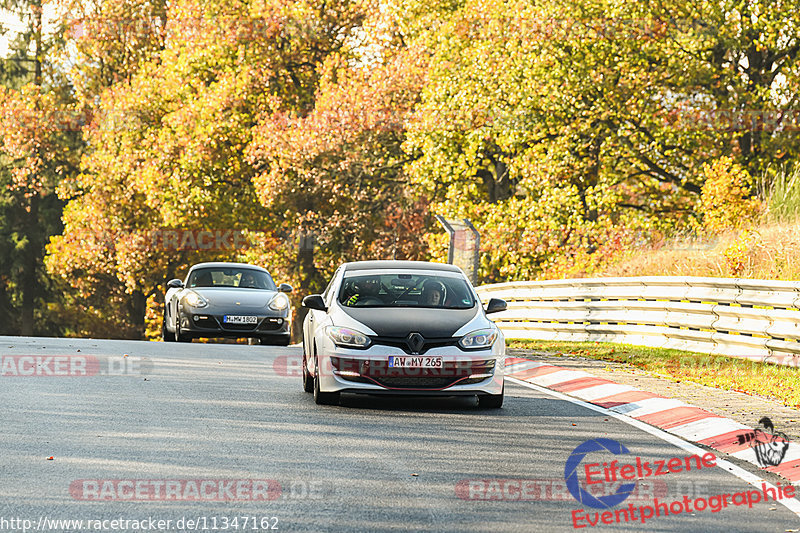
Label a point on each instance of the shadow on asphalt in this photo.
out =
(428, 404)
(517, 402)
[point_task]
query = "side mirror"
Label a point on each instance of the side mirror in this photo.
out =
(175, 284)
(314, 301)
(285, 287)
(496, 305)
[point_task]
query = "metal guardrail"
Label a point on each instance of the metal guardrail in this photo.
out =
(751, 318)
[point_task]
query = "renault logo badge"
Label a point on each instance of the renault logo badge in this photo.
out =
(415, 342)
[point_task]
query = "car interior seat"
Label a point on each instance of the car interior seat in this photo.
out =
(204, 279)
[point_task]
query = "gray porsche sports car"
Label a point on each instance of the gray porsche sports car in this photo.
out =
(227, 300)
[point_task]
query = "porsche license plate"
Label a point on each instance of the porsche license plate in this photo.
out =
(415, 362)
(239, 319)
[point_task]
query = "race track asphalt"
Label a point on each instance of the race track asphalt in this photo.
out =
(155, 413)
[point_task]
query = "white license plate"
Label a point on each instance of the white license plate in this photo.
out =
(415, 362)
(239, 319)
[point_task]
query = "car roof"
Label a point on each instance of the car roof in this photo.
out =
(399, 265)
(228, 265)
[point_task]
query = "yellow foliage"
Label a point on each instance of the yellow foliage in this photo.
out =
(738, 253)
(767, 251)
(153, 317)
(725, 201)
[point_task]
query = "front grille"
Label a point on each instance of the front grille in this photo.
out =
(356, 379)
(415, 382)
(216, 322)
(239, 327)
(400, 342)
(472, 381)
(376, 371)
(270, 324)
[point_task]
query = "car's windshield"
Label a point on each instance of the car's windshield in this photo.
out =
(244, 278)
(405, 290)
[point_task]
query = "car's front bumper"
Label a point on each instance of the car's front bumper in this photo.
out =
(367, 371)
(211, 325)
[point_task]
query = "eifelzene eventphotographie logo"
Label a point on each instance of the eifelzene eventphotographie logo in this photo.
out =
(634, 472)
(769, 445)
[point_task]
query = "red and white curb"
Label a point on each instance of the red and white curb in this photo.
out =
(673, 416)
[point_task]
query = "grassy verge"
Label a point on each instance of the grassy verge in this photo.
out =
(772, 381)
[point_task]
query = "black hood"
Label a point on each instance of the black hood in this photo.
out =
(399, 322)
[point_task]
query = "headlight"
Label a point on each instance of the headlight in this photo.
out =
(279, 303)
(347, 337)
(194, 300)
(482, 338)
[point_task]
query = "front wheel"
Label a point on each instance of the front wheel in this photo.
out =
(166, 336)
(180, 337)
(275, 341)
(322, 398)
(308, 381)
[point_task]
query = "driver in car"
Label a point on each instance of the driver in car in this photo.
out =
(248, 280)
(433, 293)
(366, 293)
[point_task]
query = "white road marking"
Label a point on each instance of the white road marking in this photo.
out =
(601, 391)
(521, 366)
(650, 406)
(751, 479)
(562, 376)
(707, 428)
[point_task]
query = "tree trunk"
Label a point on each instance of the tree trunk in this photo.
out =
(136, 312)
(308, 279)
(29, 283)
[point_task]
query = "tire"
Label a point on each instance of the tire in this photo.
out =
(166, 336)
(323, 398)
(179, 337)
(308, 380)
(275, 341)
(492, 401)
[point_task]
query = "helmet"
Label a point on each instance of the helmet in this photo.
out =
(369, 285)
(431, 286)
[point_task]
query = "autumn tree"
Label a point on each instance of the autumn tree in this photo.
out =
(565, 126)
(338, 172)
(565, 130)
(39, 146)
(169, 143)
